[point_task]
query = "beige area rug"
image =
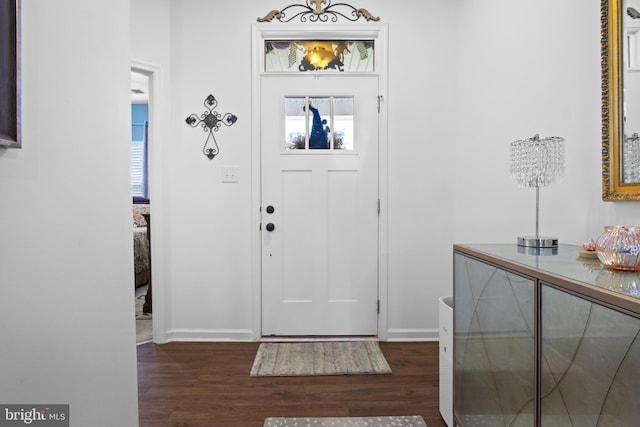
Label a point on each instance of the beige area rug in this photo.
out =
(411, 421)
(319, 358)
(144, 328)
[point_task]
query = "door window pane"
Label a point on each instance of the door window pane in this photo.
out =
(295, 124)
(319, 123)
(343, 122)
(319, 55)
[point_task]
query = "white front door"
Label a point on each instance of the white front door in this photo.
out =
(319, 141)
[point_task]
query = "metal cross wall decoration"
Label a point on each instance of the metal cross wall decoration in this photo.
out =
(211, 122)
(313, 11)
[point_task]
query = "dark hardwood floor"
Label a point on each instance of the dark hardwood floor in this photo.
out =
(208, 384)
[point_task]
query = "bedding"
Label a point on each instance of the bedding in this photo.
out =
(141, 256)
(140, 245)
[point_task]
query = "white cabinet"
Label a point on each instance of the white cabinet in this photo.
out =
(446, 358)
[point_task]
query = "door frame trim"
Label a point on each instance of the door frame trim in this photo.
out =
(260, 32)
(153, 73)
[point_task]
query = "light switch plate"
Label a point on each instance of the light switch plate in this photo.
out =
(230, 174)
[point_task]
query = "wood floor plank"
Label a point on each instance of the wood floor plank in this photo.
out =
(208, 384)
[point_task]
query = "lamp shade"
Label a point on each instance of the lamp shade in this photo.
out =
(537, 162)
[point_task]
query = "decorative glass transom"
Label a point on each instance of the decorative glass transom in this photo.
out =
(320, 55)
(319, 123)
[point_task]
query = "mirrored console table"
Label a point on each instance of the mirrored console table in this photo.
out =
(544, 340)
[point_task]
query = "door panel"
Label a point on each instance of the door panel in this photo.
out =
(319, 262)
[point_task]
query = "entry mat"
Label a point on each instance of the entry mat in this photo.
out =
(406, 421)
(319, 358)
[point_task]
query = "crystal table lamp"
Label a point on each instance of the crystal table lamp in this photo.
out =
(536, 162)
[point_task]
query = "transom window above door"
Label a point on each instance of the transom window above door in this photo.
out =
(319, 55)
(319, 123)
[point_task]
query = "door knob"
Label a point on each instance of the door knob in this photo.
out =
(270, 209)
(270, 227)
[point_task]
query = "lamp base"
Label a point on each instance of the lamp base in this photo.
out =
(538, 242)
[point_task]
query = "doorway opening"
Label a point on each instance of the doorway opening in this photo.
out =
(141, 205)
(296, 216)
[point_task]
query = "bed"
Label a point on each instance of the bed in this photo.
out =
(141, 259)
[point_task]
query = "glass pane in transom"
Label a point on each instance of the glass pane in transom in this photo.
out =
(319, 55)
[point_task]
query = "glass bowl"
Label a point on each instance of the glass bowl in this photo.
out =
(618, 247)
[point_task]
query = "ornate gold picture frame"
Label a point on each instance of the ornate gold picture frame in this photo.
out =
(10, 129)
(614, 186)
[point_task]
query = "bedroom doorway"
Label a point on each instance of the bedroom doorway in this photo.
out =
(141, 205)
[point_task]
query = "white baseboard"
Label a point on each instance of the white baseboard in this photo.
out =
(317, 339)
(210, 335)
(406, 335)
(229, 335)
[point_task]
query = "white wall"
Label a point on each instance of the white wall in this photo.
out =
(526, 68)
(422, 45)
(210, 226)
(66, 281)
(209, 256)
(477, 75)
(632, 78)
(466, 78)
